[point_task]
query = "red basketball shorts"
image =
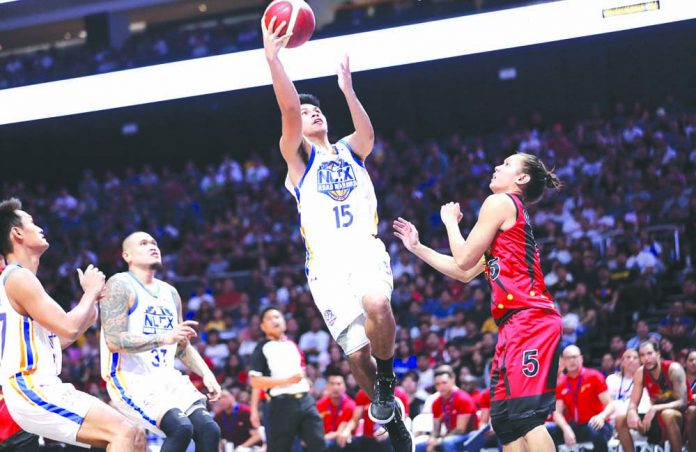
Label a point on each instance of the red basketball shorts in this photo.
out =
(525, 365)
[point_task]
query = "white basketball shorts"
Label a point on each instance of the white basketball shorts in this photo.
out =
(47, 407)
(144, 399)
(338, 289)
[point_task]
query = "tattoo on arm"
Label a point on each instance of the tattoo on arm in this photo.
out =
(679, 383)
(113, 309)
(191, 358)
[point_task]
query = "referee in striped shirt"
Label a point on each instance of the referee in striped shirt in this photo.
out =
(277, 366)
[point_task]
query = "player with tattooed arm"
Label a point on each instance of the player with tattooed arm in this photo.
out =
(142, 333)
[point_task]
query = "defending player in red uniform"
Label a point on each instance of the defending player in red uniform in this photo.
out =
(501, 243)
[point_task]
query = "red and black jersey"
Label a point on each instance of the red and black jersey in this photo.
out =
(513, 269)
(660, 390)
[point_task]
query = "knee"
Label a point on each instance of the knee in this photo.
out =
(183, 431)
(209, 429)
(670, 416)
(621, 421)
(690, 413)
(379, 306)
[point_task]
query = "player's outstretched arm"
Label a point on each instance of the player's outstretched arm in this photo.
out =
(407, 232)
(494, 211)
(24, 288)
(286, 95)
(192, 359)
(113, 310)
(362, 140)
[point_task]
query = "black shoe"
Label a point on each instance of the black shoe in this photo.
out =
(381, 409)
(399, 435)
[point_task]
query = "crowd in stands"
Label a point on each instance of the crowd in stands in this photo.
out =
(213, 36)
(231, 245)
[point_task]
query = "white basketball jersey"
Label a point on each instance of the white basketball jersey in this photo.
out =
(151, 313)
(25, 346)
(337, 205)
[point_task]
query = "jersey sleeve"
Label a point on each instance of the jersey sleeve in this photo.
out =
(348, 410)
(600, 383)
(437, 408)
(259, 363)
(485, 399)
(559, 388)
(464, 403)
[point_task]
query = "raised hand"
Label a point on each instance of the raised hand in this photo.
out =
(407, 232)
(345, 79)
(181, 332)
(273, 41)
(451, 213)
(92, 280)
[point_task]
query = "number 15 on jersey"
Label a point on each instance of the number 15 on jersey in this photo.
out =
(343, 215)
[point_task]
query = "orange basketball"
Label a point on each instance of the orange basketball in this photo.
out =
(297, 15)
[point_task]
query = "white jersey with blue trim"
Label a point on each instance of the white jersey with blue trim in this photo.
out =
(337, 205)
(151, 313)
(25, 346)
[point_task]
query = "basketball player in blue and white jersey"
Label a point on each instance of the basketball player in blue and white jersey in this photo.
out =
(142, 334)
(33, 331)
(347, 267)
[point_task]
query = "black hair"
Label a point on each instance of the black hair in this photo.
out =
(310, 99)
(444, 370)
(333, 372)
(540, 178)
(413, 374)
(650, 342)
(8, 219)
(266, 310)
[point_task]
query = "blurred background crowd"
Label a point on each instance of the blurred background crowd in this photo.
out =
(617, 244)
(215, 34)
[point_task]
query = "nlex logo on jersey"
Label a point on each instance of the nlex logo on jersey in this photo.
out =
(157, 319)
(336, 179)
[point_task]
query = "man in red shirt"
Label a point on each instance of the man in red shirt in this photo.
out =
(12, 437)
(336, 410)
(583, 404)
(453, 408)
(669, 394)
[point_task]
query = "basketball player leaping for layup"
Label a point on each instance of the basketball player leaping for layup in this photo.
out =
(501, 243)
(33, 329)
(142, 331)
(347, 266)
